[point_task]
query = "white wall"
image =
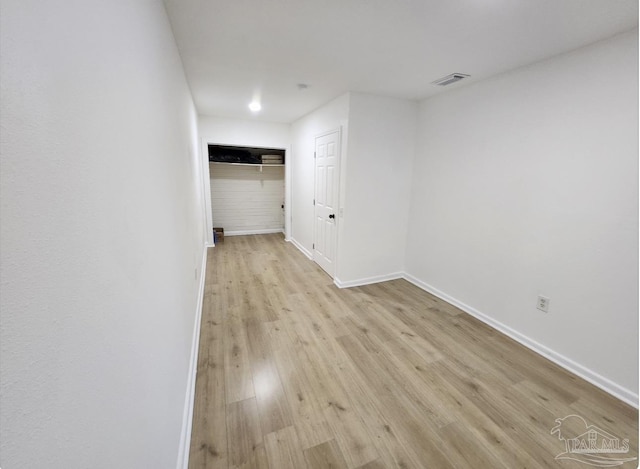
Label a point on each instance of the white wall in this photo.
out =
(382, 133)
(331, 116)
(102, 229)
(527, 184)
(246, 200)
(250, 133)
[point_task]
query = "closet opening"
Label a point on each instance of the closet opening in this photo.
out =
(247, 186)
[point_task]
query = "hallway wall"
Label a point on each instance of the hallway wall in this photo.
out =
(376, 188)
(526, 184)
(331, 116)
(102, 235)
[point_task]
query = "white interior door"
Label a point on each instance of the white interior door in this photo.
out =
(327, 157)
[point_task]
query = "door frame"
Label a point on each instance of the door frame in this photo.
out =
(338, 180)
(205, 142)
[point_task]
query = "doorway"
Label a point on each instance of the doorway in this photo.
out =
(327, 164)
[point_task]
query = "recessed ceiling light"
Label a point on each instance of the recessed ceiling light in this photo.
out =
(255, 106)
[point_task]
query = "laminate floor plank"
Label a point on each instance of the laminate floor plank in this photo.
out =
(415, 425)
(350, 431)
(467, 451)
(393, 453)
(306, 411)
(294, 372)
(407, 385)
(209, 441)
(325, 456)
(273, 406)
(377, 464)
(284, 450)
(245, 438)
(237, 364)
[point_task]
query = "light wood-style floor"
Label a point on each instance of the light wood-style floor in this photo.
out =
(296, 373)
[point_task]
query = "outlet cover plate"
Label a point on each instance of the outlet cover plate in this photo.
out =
(543, 303)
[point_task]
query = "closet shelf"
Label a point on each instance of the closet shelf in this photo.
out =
(245, 164)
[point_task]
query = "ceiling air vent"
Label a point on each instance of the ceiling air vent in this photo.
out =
(454, 77)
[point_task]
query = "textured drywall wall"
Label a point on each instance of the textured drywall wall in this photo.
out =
(382, 134)
(101, 235)
(331, 116)
(527, 184)
(250, 133)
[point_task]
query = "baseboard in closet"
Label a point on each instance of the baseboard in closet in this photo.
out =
(253, 232)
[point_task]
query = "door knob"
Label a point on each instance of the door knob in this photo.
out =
(332, 215)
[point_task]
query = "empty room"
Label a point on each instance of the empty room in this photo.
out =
(346, 234)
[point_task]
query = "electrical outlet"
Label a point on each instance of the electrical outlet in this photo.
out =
(543, 303)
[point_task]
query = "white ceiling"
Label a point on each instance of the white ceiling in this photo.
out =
(234, 49)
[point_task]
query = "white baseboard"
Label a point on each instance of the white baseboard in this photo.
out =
(253, 232)
(301, 248)
(367, 281)
(187, 418)
(585, 373)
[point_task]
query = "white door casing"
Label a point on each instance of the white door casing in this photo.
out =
(327, 160)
